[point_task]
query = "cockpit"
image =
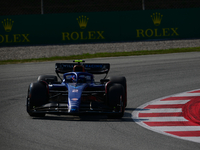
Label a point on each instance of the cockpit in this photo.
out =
(78, 77)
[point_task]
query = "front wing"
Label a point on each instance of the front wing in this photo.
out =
(91, 107)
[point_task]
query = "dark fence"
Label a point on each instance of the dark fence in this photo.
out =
(23, 7)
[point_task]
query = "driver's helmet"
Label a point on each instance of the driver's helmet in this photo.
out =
(79, 68)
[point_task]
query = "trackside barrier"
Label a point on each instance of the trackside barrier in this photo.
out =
(93, 27)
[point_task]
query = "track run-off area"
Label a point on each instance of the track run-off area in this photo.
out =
(156, 117)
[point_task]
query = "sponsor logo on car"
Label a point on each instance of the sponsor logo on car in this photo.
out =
(74, 99)
(75, 90)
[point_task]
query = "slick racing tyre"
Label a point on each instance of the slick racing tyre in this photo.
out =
(116, 98)
(48, 79)
(122, 81)
(37, 96)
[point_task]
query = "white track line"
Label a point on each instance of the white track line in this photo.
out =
(171, 102)
(194, 139)
(163, 119)
(168, 110)
(178, 128)
(187, 94)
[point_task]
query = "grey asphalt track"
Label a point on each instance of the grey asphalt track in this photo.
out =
(148, 77)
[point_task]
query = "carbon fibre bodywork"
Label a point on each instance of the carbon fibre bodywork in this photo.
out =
(77, 92)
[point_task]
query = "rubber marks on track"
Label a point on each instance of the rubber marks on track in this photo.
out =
(177, 115)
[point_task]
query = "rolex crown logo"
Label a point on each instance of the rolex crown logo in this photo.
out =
(156, 17)
(82, 21)
(7, 24)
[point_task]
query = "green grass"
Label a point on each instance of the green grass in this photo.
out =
(114, 54)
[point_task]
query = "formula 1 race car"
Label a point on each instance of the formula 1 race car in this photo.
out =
(77, 93)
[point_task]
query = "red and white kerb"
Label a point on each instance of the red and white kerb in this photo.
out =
(177, 115)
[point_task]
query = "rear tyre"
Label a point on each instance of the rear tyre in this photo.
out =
(115, 97)
(122, 81)
(37, 96)
(48, 79)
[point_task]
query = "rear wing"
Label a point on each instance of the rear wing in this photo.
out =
(94, 68)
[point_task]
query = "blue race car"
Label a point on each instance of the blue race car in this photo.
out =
(77, 92)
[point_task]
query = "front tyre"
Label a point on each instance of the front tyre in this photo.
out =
(37, 96)
(115, 97)
(120, 80)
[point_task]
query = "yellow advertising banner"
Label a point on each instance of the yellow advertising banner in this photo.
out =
(99, 27)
